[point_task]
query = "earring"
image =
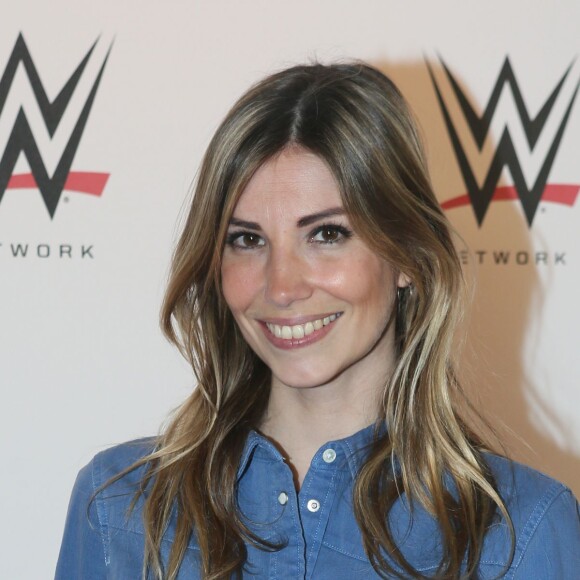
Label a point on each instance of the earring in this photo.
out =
(405, 292)
(400, 293)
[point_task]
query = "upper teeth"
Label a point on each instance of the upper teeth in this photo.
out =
(300, 330)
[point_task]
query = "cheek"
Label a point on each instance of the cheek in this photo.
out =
(372, 292)
(239, 284)
(366, 281)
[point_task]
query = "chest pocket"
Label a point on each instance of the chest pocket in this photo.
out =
(416, 535)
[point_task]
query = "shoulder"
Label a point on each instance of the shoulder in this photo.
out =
(113, 461)
(100, 530)
(524, 489)
(110, 483)
(545, 518)
(528, 493)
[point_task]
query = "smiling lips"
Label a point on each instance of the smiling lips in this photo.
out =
(286, 336)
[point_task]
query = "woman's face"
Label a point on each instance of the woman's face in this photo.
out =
(309, 296)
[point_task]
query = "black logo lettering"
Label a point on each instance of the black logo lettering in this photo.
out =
(21, 139)
(541, 257)
(505, 153)
(501, 257)
(19, 250)
(65, 250)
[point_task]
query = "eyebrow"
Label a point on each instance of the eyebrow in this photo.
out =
(302, 222)
(310, 219)
(244, 224)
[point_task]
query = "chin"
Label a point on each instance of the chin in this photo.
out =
(303, 378)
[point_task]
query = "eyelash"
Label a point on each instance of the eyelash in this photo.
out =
(344, 234)
(233, 237)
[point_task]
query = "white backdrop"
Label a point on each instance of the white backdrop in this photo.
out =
(82, 362)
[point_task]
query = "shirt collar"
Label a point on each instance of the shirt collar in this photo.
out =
(355, 448)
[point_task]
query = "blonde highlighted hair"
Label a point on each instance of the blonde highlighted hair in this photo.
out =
(355, 119)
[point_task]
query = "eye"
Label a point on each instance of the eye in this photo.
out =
(244, 240)
(330, 234)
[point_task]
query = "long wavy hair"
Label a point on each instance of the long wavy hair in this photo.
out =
(354, 118)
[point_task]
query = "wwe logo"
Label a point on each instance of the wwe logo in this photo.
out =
(21, 138)
(505, 153)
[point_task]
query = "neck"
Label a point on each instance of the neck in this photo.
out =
(300, 420)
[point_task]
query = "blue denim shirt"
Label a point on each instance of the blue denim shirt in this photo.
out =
(322, 537)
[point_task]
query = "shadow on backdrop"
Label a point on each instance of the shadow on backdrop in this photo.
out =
(504, 322)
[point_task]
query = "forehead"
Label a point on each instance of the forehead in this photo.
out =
(295, 182)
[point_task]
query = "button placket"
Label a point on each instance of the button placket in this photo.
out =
(313, 505)
(287, 525)
(317, 497)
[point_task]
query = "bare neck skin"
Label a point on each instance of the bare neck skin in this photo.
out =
(300, 420)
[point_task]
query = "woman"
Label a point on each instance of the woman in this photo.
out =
(315, 290)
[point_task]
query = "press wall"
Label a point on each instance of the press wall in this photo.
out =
(105, 111)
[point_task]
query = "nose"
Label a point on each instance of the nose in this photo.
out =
(287, 279)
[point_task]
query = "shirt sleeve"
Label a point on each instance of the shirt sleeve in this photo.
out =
(552, 549)
(83, 549)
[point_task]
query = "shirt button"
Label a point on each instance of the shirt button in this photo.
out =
(283, 498)
(313, 505)
(329, 455)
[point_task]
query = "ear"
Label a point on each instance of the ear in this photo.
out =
(403, 280)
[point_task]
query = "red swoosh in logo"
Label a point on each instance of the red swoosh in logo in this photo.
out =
(555, 193)
(88, 182)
